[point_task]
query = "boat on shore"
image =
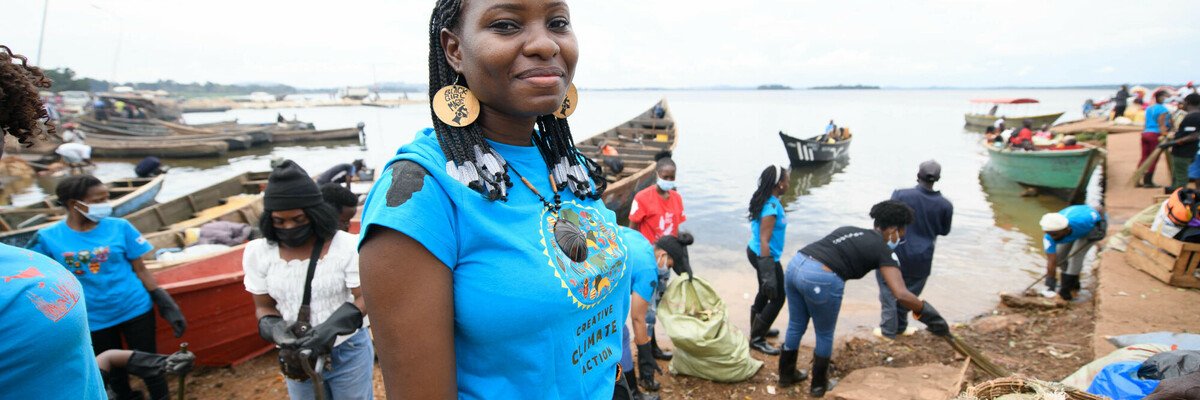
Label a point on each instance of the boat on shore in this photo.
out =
(1065, 172)
(236, 199)
(637, 140)
(814, 150)
(18, 225)
(980, 121)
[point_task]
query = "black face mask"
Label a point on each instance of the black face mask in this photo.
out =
(294, 237)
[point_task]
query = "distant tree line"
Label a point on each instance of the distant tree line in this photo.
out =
(64, 79)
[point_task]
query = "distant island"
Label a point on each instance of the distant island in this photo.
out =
(774, 86)
(845, 87)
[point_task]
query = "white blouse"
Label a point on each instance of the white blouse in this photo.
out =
(335, 275)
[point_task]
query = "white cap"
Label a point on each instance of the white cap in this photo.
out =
(1054, 222)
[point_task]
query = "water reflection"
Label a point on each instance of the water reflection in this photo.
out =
(806, 178)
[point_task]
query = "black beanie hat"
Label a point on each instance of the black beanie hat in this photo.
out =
(289, 187)
(676, 248)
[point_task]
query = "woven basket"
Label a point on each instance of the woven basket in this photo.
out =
(1040, 390)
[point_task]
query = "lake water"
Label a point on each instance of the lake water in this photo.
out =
(726, 139)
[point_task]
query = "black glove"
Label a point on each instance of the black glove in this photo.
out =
(766, 274)
(169, 310)
(1051, 282)
(344, 321)
(1166, 144)
(646, 364)
(273, 329)
(933, 321)
(149, 365)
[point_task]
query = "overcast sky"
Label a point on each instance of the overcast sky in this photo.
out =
(632, 43)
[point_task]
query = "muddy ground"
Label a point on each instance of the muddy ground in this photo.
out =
(1048, 345)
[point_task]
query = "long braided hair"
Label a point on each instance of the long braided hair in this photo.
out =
(20, 107)
(767, 181)
(475, 163)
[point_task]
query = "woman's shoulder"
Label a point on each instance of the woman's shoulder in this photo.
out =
(258, 247)
(344, 240)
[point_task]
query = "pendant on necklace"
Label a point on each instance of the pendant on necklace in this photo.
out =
(570, 239)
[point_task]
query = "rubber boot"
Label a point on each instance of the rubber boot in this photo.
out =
(820, 377)
(1148, 181)
(631, 381)
(657, 352)
(758, 340)
(788, 374)
(1068, 286)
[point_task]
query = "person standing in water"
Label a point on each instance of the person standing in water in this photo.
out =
(490, 266)
(768, 225)
(816, 278)
(932, 215)
(657, 211)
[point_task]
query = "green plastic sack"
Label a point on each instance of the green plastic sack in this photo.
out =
(706, 345)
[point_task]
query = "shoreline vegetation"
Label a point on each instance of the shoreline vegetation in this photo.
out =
(65, 79)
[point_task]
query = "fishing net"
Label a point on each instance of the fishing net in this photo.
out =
(1021, 388)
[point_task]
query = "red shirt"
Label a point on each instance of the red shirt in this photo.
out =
(654, 215)
(1023, 136)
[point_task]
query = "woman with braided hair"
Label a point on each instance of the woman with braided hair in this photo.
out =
(47, 347)
(768, 224)
(490, 267)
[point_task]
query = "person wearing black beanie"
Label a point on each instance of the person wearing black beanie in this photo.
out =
(302, 248)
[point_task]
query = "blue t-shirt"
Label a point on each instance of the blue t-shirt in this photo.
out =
(642, 263)
(1081, 219)
(99, 258)
(47, 350)
(1152, 114)
(771, 207)
(528, 322)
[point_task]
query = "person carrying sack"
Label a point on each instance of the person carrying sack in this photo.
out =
(304, 277)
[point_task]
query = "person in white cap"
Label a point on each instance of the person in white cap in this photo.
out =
(1069, 235)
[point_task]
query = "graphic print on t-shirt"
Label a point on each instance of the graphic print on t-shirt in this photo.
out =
(84, 260)
(590, 281)
(53, 302)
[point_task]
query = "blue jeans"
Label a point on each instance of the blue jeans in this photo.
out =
(350, 375)
(626, 353)
(893, 317)
(812, 293)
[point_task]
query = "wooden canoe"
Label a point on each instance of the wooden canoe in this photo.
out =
(813, 150)
(141, 128)
(637, 141)
(135, 148)
(17, 226)
(1061, 170)
(982, 121)
(306, 135)
(235, 199)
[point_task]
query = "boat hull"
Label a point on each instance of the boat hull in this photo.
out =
(222, 328)
(812, 151)
(294, 136)
(983, 120)
(145, 148)
(637, 140)
(1063, 170)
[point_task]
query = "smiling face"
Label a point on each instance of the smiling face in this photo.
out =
(518, 56)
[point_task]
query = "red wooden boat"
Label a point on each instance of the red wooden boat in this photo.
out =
(222, 329)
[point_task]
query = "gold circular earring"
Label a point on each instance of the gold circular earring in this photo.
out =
(569, 103)
(455, 105)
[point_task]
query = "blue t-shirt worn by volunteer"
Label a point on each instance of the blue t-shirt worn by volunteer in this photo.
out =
(47, 348)
(1081, 219)
(642, 263)
(771, 208)
(528, 322)
(99, 258)
(1152, 115)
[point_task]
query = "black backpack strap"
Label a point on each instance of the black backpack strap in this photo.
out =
(304, 316)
